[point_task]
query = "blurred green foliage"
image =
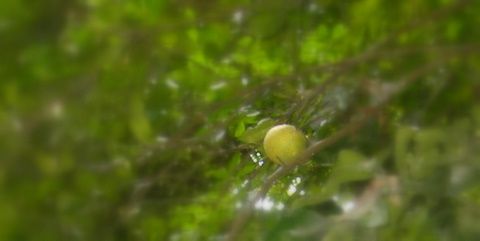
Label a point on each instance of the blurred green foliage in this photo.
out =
(141, 119)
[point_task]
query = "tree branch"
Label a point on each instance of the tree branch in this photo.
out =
(358, 122)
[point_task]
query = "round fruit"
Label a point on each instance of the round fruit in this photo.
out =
(283, 143)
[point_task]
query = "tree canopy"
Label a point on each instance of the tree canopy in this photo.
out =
(144, 119)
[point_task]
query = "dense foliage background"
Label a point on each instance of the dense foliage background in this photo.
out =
(142, 119)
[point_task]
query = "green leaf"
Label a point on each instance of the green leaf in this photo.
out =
(352, 166)
(256, 134)
(139, 122)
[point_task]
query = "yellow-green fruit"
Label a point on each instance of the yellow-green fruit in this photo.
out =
(283, 143)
